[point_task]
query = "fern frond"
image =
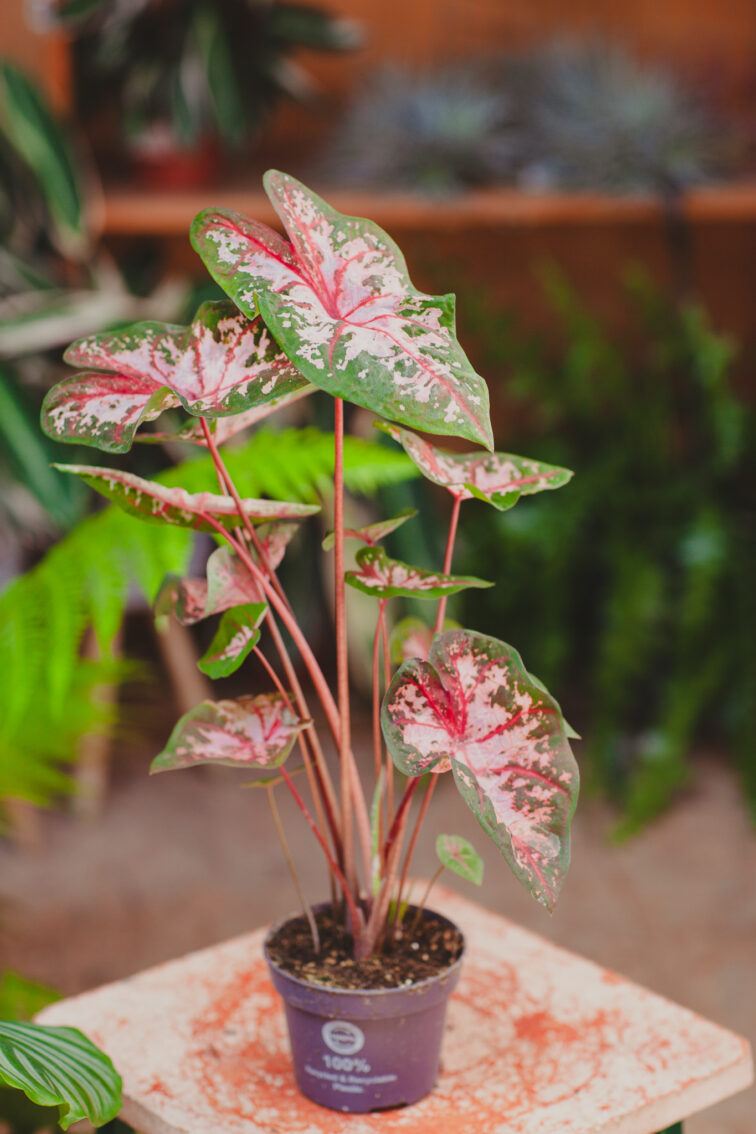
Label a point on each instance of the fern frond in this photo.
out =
(46, 701)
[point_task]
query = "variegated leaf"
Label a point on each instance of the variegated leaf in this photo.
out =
(412, 638)
(460, 856)
(248, 731)
(339, 301)
(474, 708)
(162, 505)
(224, 428)
(224, 363)
(236, 636)
(387, 578)
(498, 478)
(228, 583)
(372, 533)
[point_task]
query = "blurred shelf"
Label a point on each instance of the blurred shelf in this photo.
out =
(138, 212)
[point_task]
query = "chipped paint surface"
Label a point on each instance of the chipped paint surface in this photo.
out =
(474, 709)
(338, 299)
(538, 1041)
(498, 478)
(223, 363)
(383, 577)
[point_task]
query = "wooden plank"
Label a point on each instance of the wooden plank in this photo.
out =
(539, 1041)
(134, 212)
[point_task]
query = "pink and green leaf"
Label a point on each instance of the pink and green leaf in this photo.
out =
(388, 578)
(224, 428)
(475, 709)
(338, 299)
(223, 363)
(228, 583)
(160, 504)
(498, 478)
(372, 533)
(243, 733)
(460, 856)
(236, 636)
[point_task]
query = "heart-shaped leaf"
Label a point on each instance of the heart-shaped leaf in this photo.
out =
(60, 1067)
(339, 301)
(224, 363)
(162, 505)
(459, 855)
(372, 533)
(473, 707)
(498, 478)
(236, 636)
(224, 428)
(412, 638)
(248, 731)
(386, 578)
(228, 583)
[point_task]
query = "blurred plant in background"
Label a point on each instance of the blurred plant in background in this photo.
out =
(178, 72)
(645, 573)
(568, 115)
(56, 281)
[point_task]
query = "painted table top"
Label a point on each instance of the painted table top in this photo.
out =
(538, 1041)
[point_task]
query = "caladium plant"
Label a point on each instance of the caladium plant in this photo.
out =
(330, 306)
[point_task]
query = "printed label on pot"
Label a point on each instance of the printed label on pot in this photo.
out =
(346, 1070)
(342, 1037)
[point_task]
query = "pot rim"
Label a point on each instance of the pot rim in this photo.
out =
(363, 992)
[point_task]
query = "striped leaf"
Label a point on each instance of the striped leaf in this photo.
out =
(338, 299)
(249, 731)
(474, 709)
(388, 578)
(162, 505)
(498, 478)
(60, 1067)
(222, 364)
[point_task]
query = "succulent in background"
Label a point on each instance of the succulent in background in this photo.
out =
(436, 131)
(599, 119)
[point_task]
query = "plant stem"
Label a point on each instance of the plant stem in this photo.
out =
(392, 853)
(441, 614)
(316, 674)
(358, 920)
(305, 756)
(387, 682)
(342, 659)
(377, 739)
(424, 899)
(415, 833)
(290, 863)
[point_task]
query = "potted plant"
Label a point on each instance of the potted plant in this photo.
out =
(364, 974)
(189, 78)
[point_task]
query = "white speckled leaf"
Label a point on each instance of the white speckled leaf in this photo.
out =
(162, 505)
(498, 478)
(236, 636)
(339, 301)
(224, 363)
(474, 708)
(228, 583)
(371, 533)
(224, 428)
(248, 731)
(387, 578)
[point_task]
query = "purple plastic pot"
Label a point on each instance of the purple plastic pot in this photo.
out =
(363, 1050)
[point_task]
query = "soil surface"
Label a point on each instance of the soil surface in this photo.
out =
(422, 949)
